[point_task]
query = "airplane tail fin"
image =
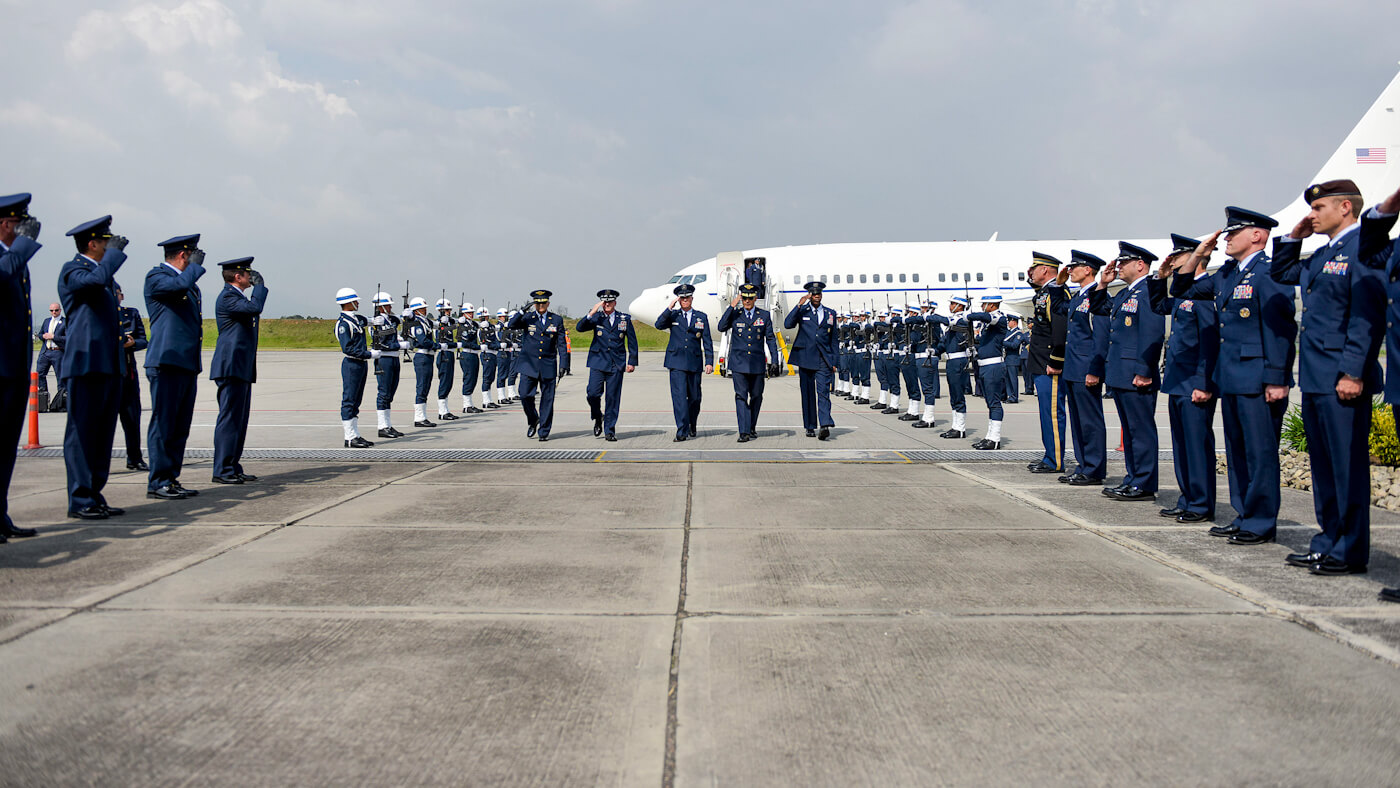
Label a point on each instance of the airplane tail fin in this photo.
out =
(1370, 155)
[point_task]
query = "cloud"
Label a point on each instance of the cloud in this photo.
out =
(71, 131)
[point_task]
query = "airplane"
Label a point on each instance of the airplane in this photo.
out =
(873, 276)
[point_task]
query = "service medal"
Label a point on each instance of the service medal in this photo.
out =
(1127, 321)
(1244, 312)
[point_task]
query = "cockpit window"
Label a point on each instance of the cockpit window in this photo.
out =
(699, 278)
(673, 279)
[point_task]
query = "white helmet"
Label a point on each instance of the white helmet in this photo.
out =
(467, 307)
(383, 299)
(443, 303)
(911, 307)
(501, 312)
(991, 297)
(345, 295)
(417, 304)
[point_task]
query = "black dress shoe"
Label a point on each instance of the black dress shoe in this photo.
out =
(908, 417)
(247, 477)
(753, 435)
(88, 513)
(878, 406)
(1175, 511)
(492, 406)
(953, 434)
(889, 411)
(1065, 479)
(1041, 467)
(424, 423)
(1080, 480)
(598, 426)
(182, 488)
(811, 433)
(922, 425)
(1244, 537)
(534, 428)
(1133, 494)
(986, 444)
(610, 437)
(544, 438)
(1194, 517)
(1119, 487)
(1229, 529)
(137, 465)
(358, 443)
(386, 434)
(447, 417)
(693, 433)
(15, 532)
(1331, 567)
(823, 433)
(743, 437)
(472, 409)
(1389, 595)
(227, 480)
(113, 511)
(1304, 560)
(166, 493)
(680, 438)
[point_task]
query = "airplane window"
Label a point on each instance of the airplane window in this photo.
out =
(979, 276)
(685, 280)
(673, 279)
(901, 277)
(916, 277)
(889, 277)
(797, 279)
(700, 278)
(1005, 276)
(850, 279)
(862, 278)
(942, 277)
(823, 278)
(1021, 276)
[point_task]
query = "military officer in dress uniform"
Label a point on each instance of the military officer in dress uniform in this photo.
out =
(1086, 349)
(93, 367)
(750, 335)
(1338, 372)
(51, 337)
(1012, 345)
(468, 355)
(351, 331)
(843, 355)
(688, 351)
(814, 354)
(926, 335)
(1045, 358)
(754, 270)
(885, 369)
(954, 347)
(173, 361)
(445, 332)
(1188, 381)
(1132, 370)
(19, 241)
(542, 331)
(384, 333)
(133, 340)
(234, 367)
(490, 357)
(612, 354)
(1382, 254)
(990, 339)
(421, 333)
(1254, 368)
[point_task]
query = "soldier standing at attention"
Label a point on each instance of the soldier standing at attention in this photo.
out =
(133, 339)
(612, 354)
(422, 338)
(957, 340)
(384, 337)
(541, 332)
(490, 354)
(1045, 358)
(688, 351)
(860, 358)
(887, 375)
(350, 330)
(93, 367)
(1086, 348)
(814, 355)
(750, 335)
(913, 333)
(445, 334)
(1254, 369)
(173, 361)
(505, 360)
(468, 355)
(1338, 345)
(1012, 345)
(234, 368)
(1131, 369)
(843, 369)
(19, 241)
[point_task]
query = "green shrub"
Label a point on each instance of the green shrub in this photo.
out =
(1293, 435)
(1385, 448)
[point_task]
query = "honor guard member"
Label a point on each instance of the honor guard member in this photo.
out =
(173, 361)
(133, 340)
(1338, 372)
(913, 331)
(814, 355)
(990, 340)
(566, 357)
(843, 371)
(93, 367)
(1045, 358)
(384, 333)
(445, 332)
(421, 331)
(1254, 368)
(505, 359)
(490, 355)
(754, 273)
(860, 358)
(886, 371)
(19, 241)
(1382, 254)
(688, 351)
(1132, 369)
(957, 340)
(1086, 350)
(51, 338)
(925, 331)
(1187, 380)
(234, 368)
(351, 330)
(895, 362)
(542, 332)
(1012, 345)
(612, 354)
(517, 338)
(750, 337)
(468, 355)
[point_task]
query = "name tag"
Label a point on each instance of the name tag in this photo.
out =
(1243, 291)
(808, 317)
(1335, 267)
(740, 325)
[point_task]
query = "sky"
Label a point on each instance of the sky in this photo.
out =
(495, 147)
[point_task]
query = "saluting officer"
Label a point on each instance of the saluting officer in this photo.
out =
(814, 355)
(1188, 381)
(469, 355)
(490, 355)
(1131, 369)
(1338, 371)
(688, 350)
(750, 334)
(1045, 358)
(19, 241)
(612, 354)
(991, 364)
(1015, 339)
(956, 342)
(445, 333)
(1381, 253)
(93, 368)
(542, 331)
(1086, 349)
(350, 331)
(384, 337)
(173, 361)
(234, 367)
(1254, 369)
(133, 339)
(422, 338)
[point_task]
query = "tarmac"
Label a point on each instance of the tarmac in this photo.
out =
(469, 606)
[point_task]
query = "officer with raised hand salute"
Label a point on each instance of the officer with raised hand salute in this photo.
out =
(541, 332)
(173, 361)
(612, 354)
(1086, 349)
(750, 335)
(19, 241)
(234, 368)
(689, 349)
(814, 355)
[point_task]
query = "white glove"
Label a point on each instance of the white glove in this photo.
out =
(374, 355)
(378, 320)
(461, 346)
(403, 344)
(444, 346)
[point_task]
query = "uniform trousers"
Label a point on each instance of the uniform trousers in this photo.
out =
(816, 402)
(1031, 375)
(544, 418)
(993, 386)
(231, 428)
(890, 383)
(1050, 393)
(386, 375)
(844, 368)
(446, 370)
(605, 389)
(504, 363)
(1012, 388)
(1252, 430)
(685, 399)
(1193, 452)
(130, 411)
(488, 370)
(1088, 430)
(14, 402)
(470, 364)
(353, 372)
(908, 368)
(172, 409)
(748, 399)
(957, 384)
(49, 359)
(878, 364)
(88, 435)
(1339, 454)
(1137, 419)
(423, 376)
(929, 384)
(860, 369)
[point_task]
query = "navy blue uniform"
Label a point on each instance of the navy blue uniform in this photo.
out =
(490, 358)
(1190, 354)
(350, 332)
(1135, 336)
(446, 362)
(1086, 349)
(954, 348)
(990, 362)
(1256, 350)
(614, 348)
(468, 357)
(173, 365)
(505, 358)
(885, 370)
(814, 354)
(753, 275)
(16, 354)
(750, 333)
(861, 345)
(50, 352)
(93, 368)
(926, 333)
(688, 351)
(538, 363)
(234, 369)
(130, 409)
(904, 339)
(1015, 340)
(1046, 350)
(387, 368)
(1343, 310)
(422, 340)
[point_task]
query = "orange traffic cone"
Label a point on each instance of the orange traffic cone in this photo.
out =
(34, 412)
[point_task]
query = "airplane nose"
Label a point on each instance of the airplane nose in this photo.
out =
(647, 306)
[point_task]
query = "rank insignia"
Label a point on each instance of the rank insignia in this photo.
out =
(1244, 312)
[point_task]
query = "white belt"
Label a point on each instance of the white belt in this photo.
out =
(984, 362)
(355, 358)
(926, 354)
(470, 350)
(421, 351)
(959, 354)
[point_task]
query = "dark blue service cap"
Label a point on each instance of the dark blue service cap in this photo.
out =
(1183, 243)
(748, 291)
(1041, 258)
(1239, 218)
(814, 287)
(1127, 251)
(180, 243)
(684, 290)
(1077, 257)
(607, 295)
(97, 228)
(15, 206)
(241, 264)
(540, 296)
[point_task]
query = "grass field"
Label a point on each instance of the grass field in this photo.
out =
(319, 334)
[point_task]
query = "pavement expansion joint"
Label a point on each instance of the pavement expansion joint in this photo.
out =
(668, 768)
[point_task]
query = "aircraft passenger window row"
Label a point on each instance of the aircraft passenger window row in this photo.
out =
(799, 279)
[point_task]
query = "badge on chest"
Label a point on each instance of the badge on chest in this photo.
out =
(1083, 306)
(1243, 291)
(1335, 267)
(1130, 306)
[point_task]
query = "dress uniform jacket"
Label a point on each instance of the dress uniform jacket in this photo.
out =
(614, 345)
(1047, 336)
(539, 346)
(1086, 336)
(689, 348)
(177, 324)
(1135, 338)
(1190, 351)
(814, 347)
(1256, 324)
(1380, 253)
(93, 326)
(16, 348)
(236, 350)
(748, 336)
(132, 326)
